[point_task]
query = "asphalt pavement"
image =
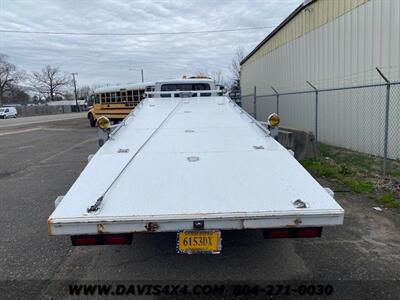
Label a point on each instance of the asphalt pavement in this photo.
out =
(21, 121)
(39, 161)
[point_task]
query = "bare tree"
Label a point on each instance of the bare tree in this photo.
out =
(219, 78)
(9, 76)
(202, 73)
(16, 94)
(235, 66)
(84, 92)
(50, 81)
(216, 75)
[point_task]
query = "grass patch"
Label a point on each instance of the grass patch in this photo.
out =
(364, 164)
(342, 173)
(320, 169)
(358, 172)
(393, 168)
(358, 185)
(361, 161)
(394, 173)
(324, 150)
(389, 200)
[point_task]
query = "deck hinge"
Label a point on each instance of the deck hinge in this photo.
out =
(96, 206)
(151, 227)
(299, 204)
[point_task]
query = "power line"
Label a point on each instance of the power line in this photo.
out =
(134, 33)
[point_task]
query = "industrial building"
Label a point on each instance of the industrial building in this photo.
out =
(331, 44)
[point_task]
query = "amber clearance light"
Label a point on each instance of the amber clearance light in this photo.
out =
(273, 120)
(103, 122)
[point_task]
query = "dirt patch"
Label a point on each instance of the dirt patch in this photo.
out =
(369, 236)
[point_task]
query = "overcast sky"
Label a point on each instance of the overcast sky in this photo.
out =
(118, 59)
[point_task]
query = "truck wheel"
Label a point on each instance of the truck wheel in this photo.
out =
(92, 121)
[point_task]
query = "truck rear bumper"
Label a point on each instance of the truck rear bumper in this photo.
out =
(174, 224)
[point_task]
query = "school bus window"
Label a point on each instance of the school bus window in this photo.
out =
(123, 96)
(150, 89)
(108, 97)
(118, 97)
(97, 98)
(112, 97)
(129, 98)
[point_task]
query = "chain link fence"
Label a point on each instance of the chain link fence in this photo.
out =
(364, 118)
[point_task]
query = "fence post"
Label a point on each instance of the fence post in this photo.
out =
(386, 137)
(255, 103)
(277, 99)
(316, 110)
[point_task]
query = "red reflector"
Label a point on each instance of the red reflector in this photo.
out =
(310, 232)
(101, 239)
(306, 232)
(278, 233)
(116, 240)
(83, 241)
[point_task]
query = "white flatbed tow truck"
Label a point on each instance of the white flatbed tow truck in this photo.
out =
(189, 160)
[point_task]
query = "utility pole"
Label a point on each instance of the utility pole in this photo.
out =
(141, 72)
(76, 96)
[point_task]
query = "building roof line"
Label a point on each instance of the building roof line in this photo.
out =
(278, 28)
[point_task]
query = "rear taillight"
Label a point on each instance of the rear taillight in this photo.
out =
(306, 232)
(101, 239)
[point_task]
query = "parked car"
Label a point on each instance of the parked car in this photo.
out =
(8, 112)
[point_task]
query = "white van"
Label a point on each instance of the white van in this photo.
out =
(8, 112)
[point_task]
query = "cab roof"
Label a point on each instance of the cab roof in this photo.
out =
(185, 80)
(117, 88)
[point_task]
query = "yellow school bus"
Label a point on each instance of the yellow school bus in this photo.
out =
(117, 102)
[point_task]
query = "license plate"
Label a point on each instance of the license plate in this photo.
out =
(192, 242)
